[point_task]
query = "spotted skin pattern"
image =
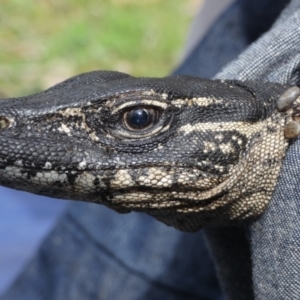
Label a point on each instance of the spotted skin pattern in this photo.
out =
(210, 154)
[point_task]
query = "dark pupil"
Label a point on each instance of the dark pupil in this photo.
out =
(138, 117)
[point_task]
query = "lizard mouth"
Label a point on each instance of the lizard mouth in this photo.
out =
(131, 186)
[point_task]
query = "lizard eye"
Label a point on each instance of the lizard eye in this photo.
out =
(140, 118)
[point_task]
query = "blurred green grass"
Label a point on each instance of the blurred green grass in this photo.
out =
(45, 42)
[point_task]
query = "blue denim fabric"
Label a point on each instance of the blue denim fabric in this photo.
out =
(93, 253)
(24, 220)
(275, 243)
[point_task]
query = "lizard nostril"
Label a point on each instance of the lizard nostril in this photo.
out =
(4, 122)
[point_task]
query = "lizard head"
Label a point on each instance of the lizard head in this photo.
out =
(176, 147)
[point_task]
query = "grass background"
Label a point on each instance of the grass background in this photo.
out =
(45, 42)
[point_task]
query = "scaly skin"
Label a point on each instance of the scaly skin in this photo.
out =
(209, 152)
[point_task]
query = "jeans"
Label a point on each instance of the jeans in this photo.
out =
(94, 253)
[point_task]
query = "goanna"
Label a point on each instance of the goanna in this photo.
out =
(188, 151)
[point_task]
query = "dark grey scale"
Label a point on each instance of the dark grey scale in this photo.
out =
(107, 176)
(230, 113)
(96, 182)
(216, 156)
(271, 129)
(270, 162)
(59, 184)
(142, 172)
(143, 146)
(72, 178)
(30, 173)
(74, 119)
(211, 169)
(106, 197)
(135, 174)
